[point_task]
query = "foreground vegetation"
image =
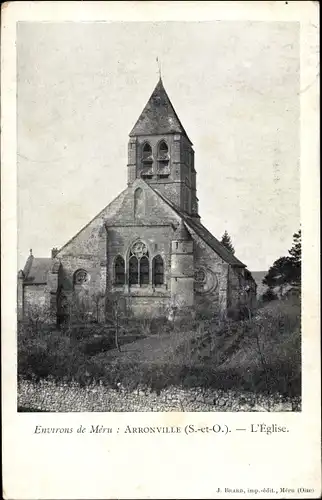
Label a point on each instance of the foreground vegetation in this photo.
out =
(261, 355)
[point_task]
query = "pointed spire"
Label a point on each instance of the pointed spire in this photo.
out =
(158, 117)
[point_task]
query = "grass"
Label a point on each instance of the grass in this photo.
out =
(261, 355)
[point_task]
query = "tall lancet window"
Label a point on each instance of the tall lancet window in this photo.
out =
(163, 160)
(144, 270)
(119, 270)
(147, 161)
(157, 271)
(138, 203)
(133, 270)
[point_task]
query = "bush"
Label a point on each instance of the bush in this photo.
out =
(261, 354)
(269, 295)
(96, 345)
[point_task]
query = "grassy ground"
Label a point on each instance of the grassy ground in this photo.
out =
(261, 355)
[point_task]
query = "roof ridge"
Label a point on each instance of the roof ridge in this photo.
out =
(88, 223)
(229, 254)
(194, 225)
(28, 265)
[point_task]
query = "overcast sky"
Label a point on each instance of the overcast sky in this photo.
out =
(234, 85)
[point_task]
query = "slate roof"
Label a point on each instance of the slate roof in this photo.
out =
(36, 270)
(204, 234)
(158, 117)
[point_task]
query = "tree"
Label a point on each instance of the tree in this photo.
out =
(296, 256)
(286, 270)
(280, 273)
(296, 250)
(226, 241)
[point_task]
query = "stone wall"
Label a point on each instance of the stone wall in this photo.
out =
(241, 290)
(47, 396)
(36, 300)
(212, 298)
(112, 232)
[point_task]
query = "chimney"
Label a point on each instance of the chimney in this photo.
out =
(54, 252)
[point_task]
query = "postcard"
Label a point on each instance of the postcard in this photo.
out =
(160, 250)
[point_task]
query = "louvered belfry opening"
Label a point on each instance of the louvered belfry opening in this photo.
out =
(147, 161)
(163, 160)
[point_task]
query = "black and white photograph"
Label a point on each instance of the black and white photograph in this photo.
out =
(160, 249)
(159, 224)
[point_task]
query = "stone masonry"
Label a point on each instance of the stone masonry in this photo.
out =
(147, 249)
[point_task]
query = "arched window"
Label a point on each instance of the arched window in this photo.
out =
(133, 271)
(80, 277)
(163, 148)
(147, 161)
(163, 160)
(139, 264)
(144, 270)
(138, 202)
(119, 270)
(158, 271)
(147, 152)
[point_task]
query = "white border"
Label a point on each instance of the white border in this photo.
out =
(126, 466)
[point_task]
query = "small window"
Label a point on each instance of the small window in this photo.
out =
(158, 271)
(119, 270)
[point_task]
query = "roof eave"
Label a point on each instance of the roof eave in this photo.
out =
(131, 134)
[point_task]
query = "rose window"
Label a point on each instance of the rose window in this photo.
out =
(200, 276)
(205, 280)
(81, 277)
(139, 249)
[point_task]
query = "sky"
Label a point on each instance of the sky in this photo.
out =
(235, 87)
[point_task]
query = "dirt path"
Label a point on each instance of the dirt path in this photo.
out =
(152, 349)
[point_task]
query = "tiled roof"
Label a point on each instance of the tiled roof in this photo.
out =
(158, 117)
(37, 269)
(28, 264)
(204, 234)
(208, 238)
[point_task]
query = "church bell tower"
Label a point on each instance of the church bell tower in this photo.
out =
(161, 153)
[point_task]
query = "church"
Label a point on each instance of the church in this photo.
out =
(147, 250)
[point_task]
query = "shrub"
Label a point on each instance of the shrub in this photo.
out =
(261, 354)
(95, 345)
(269, 295)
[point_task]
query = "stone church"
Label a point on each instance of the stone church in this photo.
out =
(148, 248)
